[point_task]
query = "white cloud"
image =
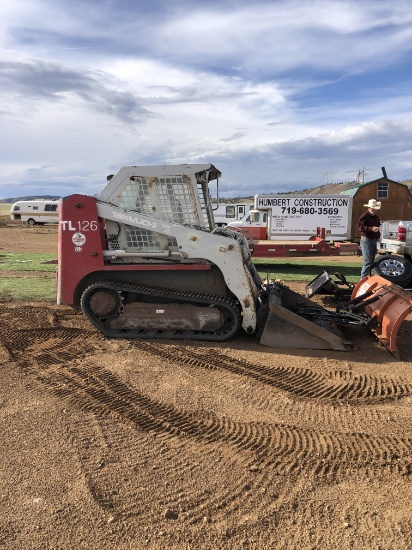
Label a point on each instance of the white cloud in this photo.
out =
(278, 93)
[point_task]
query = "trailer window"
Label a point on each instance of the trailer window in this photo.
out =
(230, 212)
(16, 208)
(35, 207)
(50, 208)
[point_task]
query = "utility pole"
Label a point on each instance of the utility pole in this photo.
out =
(361, 175)
(327, 176)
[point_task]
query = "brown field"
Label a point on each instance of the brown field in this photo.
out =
(135, 444)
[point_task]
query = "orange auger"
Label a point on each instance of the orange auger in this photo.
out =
(386, 304)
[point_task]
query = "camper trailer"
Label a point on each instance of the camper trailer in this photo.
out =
(35, 212)
(226, 213)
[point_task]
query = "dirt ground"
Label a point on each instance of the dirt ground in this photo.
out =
(116, 444)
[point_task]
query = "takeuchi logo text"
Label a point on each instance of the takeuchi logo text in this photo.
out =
(134, 219)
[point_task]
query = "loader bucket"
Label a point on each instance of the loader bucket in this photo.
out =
(286, 329)
(388, 311)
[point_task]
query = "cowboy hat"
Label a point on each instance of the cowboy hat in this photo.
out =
(372, 203)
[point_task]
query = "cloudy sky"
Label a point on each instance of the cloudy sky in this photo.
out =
(279, 95)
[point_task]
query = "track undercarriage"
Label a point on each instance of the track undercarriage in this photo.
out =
(125, 310)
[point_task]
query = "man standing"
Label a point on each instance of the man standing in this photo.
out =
(368, 225)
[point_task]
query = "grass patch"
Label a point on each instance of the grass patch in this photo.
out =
(27, 261)
(306, 271)
(5, 208)
(29, 280)
(27, 288)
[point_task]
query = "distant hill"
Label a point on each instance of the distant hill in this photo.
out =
(31, 198)
(336, 188)
(327, 189)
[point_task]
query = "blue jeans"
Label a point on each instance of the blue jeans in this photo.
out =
(368, 248)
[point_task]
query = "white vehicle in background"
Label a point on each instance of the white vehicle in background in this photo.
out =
(35, 212)
(226, 213)
(394, 260)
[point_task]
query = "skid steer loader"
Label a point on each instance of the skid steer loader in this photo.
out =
(144, 259)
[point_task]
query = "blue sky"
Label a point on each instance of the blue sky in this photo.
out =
(279, 95)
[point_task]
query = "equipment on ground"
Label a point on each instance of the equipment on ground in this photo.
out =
(374, 301)
(144, 259)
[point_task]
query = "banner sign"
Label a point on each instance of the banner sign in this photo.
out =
(300, 215)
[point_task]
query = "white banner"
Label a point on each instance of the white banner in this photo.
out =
(300, 215)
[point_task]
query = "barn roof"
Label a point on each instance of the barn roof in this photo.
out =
(354, 189)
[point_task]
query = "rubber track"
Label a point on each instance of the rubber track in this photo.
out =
(177, 296)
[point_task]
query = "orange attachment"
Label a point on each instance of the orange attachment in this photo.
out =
(387, 313)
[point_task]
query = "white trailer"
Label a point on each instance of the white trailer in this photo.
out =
(226, 213)
(35, 212)
(299, 217)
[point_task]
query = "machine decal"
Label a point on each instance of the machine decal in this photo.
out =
(134, 220)
(78, 239)
(83, 225)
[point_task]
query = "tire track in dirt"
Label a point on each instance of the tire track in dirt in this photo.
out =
(296, 381)
(96, 389)
(265, 449)
(115, 484)
(41, 345)
(46, 346)
(30, 316)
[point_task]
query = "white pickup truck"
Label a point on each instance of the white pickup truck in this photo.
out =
(395, 252)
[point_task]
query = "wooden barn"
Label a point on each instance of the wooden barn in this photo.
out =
(396, 199)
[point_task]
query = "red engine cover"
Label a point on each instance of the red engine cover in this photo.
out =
(82, 240)
(81, 244)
